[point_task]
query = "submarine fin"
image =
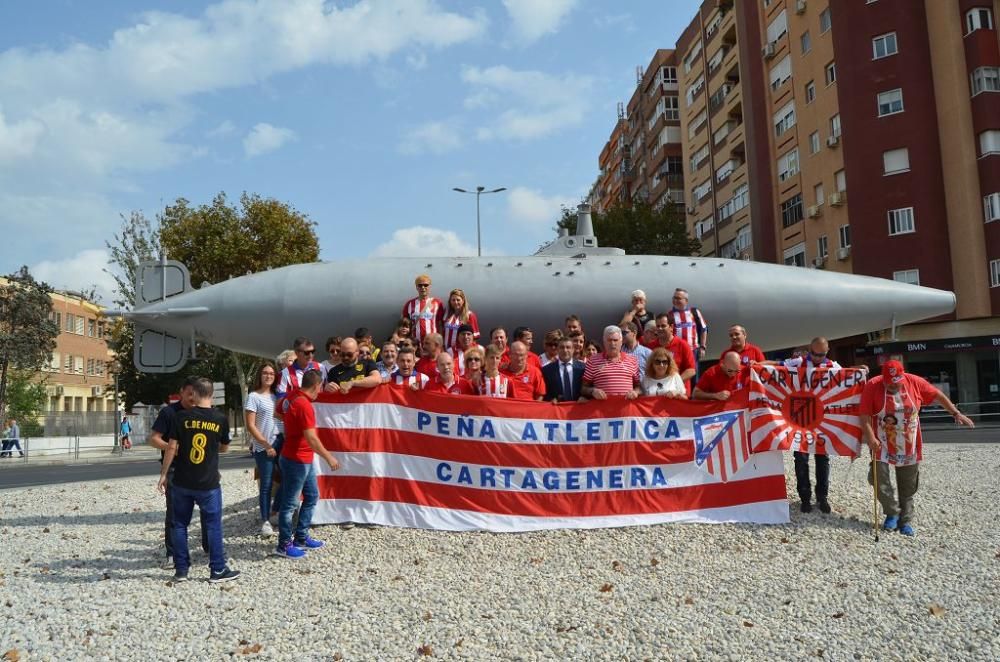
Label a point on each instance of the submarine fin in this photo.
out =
(156, 351)
(157, 280)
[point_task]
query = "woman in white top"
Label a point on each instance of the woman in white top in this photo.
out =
(259, 414)
(662, 377)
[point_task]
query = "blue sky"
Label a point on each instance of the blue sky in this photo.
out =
(363, 115)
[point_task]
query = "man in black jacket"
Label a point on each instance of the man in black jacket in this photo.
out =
(564, 376)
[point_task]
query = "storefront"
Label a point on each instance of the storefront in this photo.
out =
(966, 369)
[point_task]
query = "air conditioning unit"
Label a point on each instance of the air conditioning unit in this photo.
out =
(800, 6)
(838, 198)
(844, 253)
(96, 391)
(691, 210)
(819, 261)
(833, 141)
(768, 51)
(813, 211)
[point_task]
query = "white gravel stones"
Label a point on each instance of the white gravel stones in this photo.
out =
(80, 579)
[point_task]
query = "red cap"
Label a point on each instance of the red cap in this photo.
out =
(892, 371)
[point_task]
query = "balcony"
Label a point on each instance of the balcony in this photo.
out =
(716, 100)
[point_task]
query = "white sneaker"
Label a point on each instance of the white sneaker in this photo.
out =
(266, 530)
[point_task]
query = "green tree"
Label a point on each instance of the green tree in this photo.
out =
(26, 398)
(27, 335)
(216, 241)
(639, 229)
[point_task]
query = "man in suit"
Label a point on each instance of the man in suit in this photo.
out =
(564, 376)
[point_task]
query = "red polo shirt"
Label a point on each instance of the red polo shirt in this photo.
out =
(527, 384)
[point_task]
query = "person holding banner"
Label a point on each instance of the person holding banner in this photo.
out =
(564, 376)
(611, 373)
(526, 380)
(723, 379)
(447, 381)
(297, 470)
(494, 384)
(662, 378)
(406, 376)
(890, 423)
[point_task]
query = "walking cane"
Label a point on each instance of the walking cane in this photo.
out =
(875, 497)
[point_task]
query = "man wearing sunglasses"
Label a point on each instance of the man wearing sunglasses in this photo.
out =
(723, 379)
(291, 377)
(424, 311)
(354, 370)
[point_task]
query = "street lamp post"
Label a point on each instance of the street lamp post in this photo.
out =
(480, 190)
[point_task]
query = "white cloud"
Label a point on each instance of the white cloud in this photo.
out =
(433, 137)
(537, 103)
(417, 61)
(223, 129)
(422, 241)
(264, 138)
(530, 207)
(81, 121)
(532, 19)
(79, 273)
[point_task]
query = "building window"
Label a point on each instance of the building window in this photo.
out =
(778, 27)
(825, 21)
(788, 165)
(896, 160)
(814, 142)
(818, 194)
(692, 57)
(810, 92)
(68, 364)
(991, 207)
(702, 227)
(697, 123)
(805, 41)
(781, 72)
(822, 249)
(835, 125)
(78, 365)
(979, 18)
(670, 107)
(784, 119)
(890, 102)
(91, 328)
(985, 79)
(723, 171)
(668, 74)
(989, 142)
(845, 236)
(901, 221)
(908, 276)
(796, 255)
(831, 73)
(695, 88)
(791, 211)
(884, 46)
(79, 321)
(840, 179)
(994, 273)
(740, 199)
(699, 157)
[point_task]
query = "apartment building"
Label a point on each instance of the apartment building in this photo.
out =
(721, 131)
(76, 377)
(642, 158)
(859, 136)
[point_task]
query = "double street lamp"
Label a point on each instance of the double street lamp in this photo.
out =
(480, 190)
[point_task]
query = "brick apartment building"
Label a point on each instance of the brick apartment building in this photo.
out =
(788, 106)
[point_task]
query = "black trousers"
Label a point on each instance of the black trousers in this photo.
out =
(168, 523)
(802, 485)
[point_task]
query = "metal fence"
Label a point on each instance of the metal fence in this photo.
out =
(78, 423)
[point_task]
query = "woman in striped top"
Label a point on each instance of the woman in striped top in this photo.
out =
(455, 315)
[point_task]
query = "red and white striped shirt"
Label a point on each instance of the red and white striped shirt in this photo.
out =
(496, 387)
(417, 378)
(427, 316)
(613, 377)
(450, 328)
(688, 324)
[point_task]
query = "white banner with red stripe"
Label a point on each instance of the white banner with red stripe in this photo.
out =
(810, 410)
(469, 463)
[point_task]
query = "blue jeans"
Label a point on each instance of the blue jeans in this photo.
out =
(210, 504)
(9, 444)
(265, 471)
(296, 478)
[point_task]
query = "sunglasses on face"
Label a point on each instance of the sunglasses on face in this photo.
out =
(663, 362)
(423, 284)
(307, 351)
(473, 358)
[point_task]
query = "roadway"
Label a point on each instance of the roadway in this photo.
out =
(30, 475)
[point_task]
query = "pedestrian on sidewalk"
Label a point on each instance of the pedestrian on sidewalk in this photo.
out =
(124, 431)
(11, 440)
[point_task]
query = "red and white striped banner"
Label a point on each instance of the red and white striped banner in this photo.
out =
(812, 410)
(464, 463)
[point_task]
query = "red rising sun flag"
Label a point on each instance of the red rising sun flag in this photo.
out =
(807, 410)
(455, 462)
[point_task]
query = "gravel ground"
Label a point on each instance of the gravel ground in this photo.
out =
(79, 578)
